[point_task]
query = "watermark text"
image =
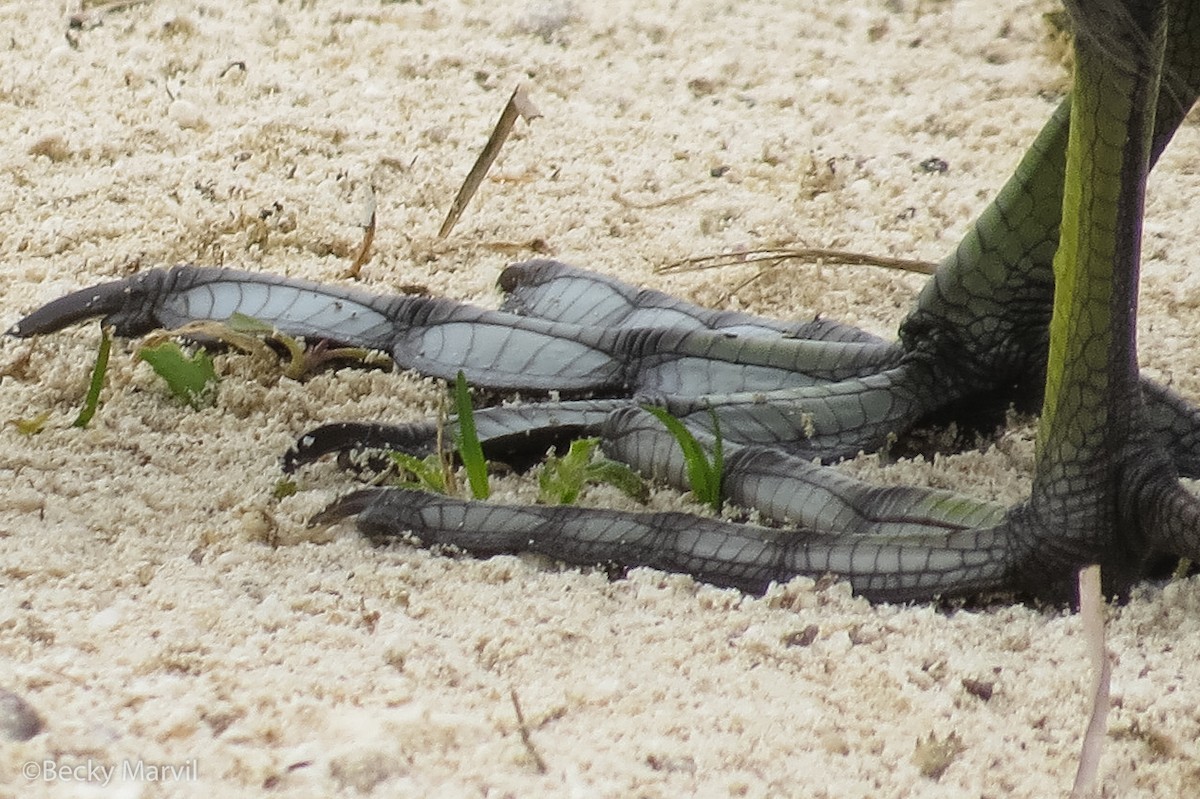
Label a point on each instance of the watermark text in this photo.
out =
(99, 772)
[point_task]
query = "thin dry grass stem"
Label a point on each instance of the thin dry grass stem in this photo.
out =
(775, 256)
(364, 251)
(640, 205)
(518, 105)
(523, 729)
(449, 477)
(1091, 613)
(770, 258)
(537, 245)
(737, 287)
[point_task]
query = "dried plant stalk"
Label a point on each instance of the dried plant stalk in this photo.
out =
(364, 251)
(1091, 612)
(779, 255)
(518, 105)
(526, 738)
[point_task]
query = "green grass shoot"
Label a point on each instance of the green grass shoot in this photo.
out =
(191, 378)
(467, 440)
(92, 401)
(561, 479)
(434, 472)
(704, 473)
(428, 473)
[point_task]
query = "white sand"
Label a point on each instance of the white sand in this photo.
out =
(146, 615)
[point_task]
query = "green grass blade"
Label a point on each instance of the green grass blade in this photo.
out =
(92, 401)
(704, 480)
(469, 448)
(718, 458)
(191, 378)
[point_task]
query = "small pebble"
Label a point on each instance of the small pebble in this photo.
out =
(18, 720)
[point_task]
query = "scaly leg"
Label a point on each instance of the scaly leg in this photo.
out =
(1109, 444)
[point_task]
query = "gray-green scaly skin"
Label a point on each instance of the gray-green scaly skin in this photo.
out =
(1111, 445)
(1106, 487)
(1097, 466)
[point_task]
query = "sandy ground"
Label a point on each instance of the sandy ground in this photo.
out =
(159, 609)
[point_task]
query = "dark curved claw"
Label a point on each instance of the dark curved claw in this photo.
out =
(169, 298)
(125, 304)
(345, 507)
(344, 437)
(518, 435)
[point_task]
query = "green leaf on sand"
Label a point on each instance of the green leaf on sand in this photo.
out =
(191, 378)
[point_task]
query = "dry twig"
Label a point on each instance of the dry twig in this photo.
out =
(643, 205)
(1091, 612)
(364, 251)
(518, 105)
(778, 255)
(771, 257)
(91, 17)
(523, 728)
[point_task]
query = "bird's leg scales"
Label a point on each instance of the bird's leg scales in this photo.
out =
(884, 567)
(1104, 490)
(996, 322)
(558, 292)
(1173, 424)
